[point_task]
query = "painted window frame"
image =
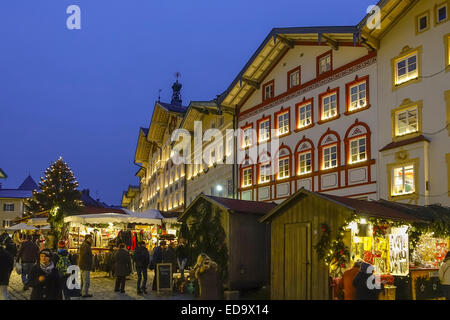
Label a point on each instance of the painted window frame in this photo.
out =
(404, 54)
(299, 166)
(319, 58)
(283, 158)
(300, 105)
(269, 175)
(306, 150)
(418, 17)
(347, 141)
(265, 85)
(406, 105)
(447, 52)
(349, 86)
(324, 95)
(390, 171)
(258, 123)
(322, 146)
(282, 112)
(436, 12)
(358, 154)
(290, 72)
(329, 146)
(244, 128)
(243, 170)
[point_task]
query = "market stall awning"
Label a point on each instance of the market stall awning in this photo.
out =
(151, 216)
(104, 218)
(21, 226)
(37, 222)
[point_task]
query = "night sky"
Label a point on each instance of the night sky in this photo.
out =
(83, 94)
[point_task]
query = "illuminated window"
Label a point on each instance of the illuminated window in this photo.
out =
(247, 177)
(304, 163)
(264, 130)
(247, 137)
(406, 68)
(304, 115)
(329, 106)
(9, 207)
(329, 157)
(268, 90)
(283, 168)
(403, 180)
(442, 13)
(325, 63)
(407, 121)
(358, 96)
(283, 123)
(264, 173)
(358, 150)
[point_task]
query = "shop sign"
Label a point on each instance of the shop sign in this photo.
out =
(164, 279)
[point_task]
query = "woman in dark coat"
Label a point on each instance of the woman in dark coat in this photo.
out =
(364, 291)
(45, 279)
(122, 267)
(6, 266)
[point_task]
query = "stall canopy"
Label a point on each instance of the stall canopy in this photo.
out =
(22, 226)
(104, 218)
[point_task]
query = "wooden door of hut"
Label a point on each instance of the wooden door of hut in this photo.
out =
(297, 261)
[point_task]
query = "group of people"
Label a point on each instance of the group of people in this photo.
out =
(357, 285)
(46, 272)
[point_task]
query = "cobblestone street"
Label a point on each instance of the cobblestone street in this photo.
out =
(102, 288)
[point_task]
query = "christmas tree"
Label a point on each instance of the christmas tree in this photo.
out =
(58, 194)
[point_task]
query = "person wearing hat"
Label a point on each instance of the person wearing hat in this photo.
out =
(45, 280)
(63, 259)
(159, 256)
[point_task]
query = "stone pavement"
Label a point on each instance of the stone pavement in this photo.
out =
(102, 288)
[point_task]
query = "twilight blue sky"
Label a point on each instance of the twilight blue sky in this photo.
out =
(83, 94)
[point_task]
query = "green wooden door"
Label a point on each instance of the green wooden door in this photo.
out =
(297, 261)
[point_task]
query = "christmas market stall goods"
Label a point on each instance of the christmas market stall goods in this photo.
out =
(343, 230)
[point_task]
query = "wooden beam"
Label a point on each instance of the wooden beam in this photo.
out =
(333, 43)
(287, 42)
(252, 83)
(369, 40)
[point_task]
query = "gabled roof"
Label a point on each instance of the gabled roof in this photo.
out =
(172, 107)
(195, 110)
(360, 207)
(3, 175)
(29, 184)
(273, 48)
(143, 146)
(234, 205)
(391, 12)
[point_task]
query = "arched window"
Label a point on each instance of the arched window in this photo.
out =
(304, 157)
(283, 162)
(329, 150)
(247, 173)
(357, 143)
(264, 168)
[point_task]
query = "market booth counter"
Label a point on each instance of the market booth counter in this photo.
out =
(318, 236)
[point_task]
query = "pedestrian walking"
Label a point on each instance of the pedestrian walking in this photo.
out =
(171, 256)
(364, 291)
(45, 280)
(444, 275)
(122, 267)
(141, 260)
(85, 264)
(27, 255)
(206, 272)
(158, 257)
(6, 267)
(63, 260)
(347, 281)
(182, 256)
(8, 244)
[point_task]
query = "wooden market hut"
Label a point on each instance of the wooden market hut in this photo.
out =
(247, 240)
(296, 271)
